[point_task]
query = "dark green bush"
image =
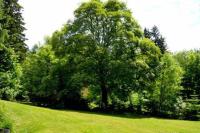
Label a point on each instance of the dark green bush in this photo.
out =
(192, 112)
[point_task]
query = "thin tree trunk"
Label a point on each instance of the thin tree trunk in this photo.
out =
(130, 100)
(139, 108)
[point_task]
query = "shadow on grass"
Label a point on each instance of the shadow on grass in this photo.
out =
(130, 115)
(126, 114)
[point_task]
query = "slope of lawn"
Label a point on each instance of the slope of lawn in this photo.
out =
(30, 119)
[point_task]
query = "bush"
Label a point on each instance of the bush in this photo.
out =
(192, 112)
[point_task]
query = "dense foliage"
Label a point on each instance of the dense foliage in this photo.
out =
(100, 60)
(190, 62)
(167, 87)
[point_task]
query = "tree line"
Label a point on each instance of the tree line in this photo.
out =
(100, 60)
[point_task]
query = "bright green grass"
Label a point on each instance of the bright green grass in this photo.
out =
(30, 119)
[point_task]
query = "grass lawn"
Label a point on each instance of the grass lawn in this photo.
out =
(30, 119)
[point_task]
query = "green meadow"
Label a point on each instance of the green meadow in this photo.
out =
(31, 119)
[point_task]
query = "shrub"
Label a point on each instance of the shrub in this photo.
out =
(192, 112)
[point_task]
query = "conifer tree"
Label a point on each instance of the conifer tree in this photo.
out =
(12, 21)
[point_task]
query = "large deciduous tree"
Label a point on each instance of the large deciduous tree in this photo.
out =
(111, 28)
(110, 41)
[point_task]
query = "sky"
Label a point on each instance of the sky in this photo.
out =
(177, 20)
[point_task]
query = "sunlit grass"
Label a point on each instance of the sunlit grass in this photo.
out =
(30, 119)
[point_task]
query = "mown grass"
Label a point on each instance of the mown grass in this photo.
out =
(5, 122)
(30, 119)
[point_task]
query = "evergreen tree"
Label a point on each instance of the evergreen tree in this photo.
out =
(5, 53)
(12, 21)
(9, 69)
(156, 37)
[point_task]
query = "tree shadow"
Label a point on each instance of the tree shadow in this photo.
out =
(127, 115)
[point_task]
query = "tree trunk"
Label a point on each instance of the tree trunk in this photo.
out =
(130, 100)
(104, 97)
(139, 107)
(104, 88)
